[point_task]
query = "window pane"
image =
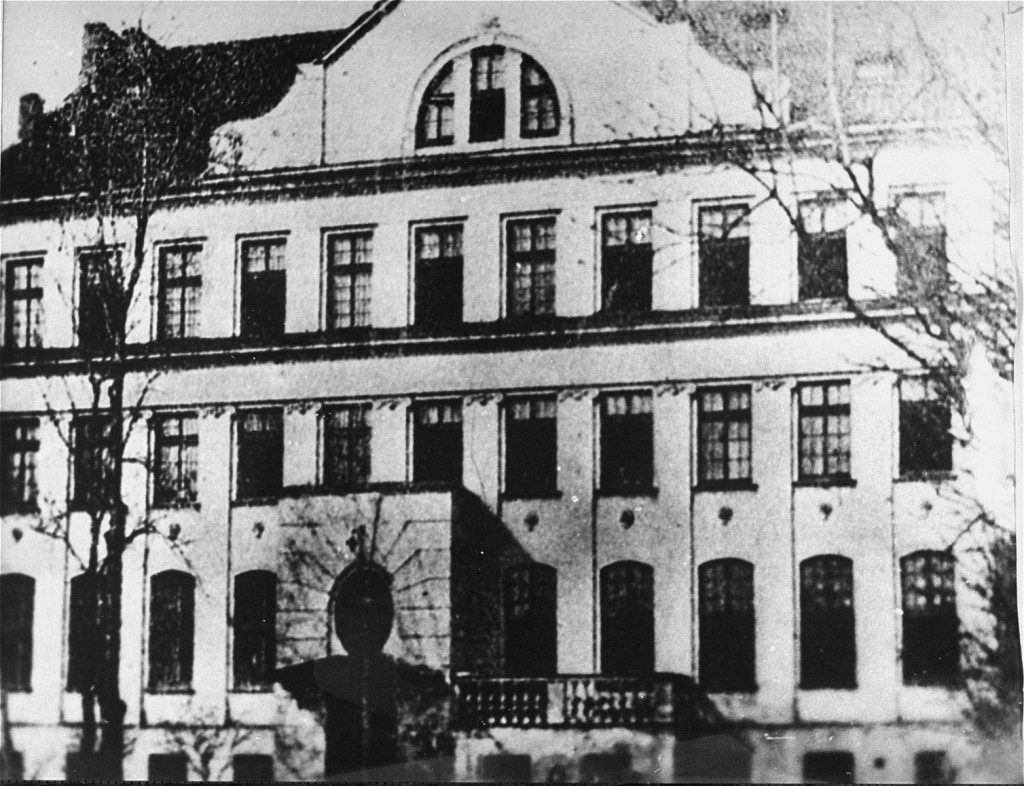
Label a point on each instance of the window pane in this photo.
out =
(828, 655)
(171, 630)
(255, 609)
(17, 613)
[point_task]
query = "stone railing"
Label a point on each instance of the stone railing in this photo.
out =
(574, 700)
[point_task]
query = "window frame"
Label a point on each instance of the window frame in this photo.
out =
(358, 318)
(80, 472)
(171, 658)
(934, 236)
(428, 468)
(824, 411)
(522, 441)
(78, 595)
(252, 327)
(629, 261)
(31, 294)
(254, 638)
(813, 283)
(530, 616)
(835, 568)
(172, 763)
(241, 496)
(19, 442)
(361, 433)
(628, 598)
(85, 292)
(183, 283)
(484, 103)
(185, 443)
(930, 635)
(727, 635)
(19, 596)
(725, 246)
(546, 89)
(532, 260)
(930, 410)
(440, 101)
(430, 275)
(726, 416)
(611, 428)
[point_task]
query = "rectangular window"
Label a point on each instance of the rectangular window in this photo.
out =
(349, 268)
(254, 653)
(439, 275)
(921, 263)
(824, 430)
(933, 767)
(723, 453)
(83, 603)
(828, 639)
(171, 630)
(24, 304)
(627, 443)
(531, 267)
(931, 626)
(828, 767)
(437, 442)
(926, 444)
(260, 454)
(627, 259)
(167, 768)
(531, 447)
(17, 613)
(252, 768)
(821, 251)
(487, 97)
(346, 446)
(93, 440)
(724, 251)
(19, 443)
(727, 625)
(175, 460)
(181, 283)
(100, 298)
(263, 288)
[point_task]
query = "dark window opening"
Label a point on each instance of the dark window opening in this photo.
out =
(17, 613)
(531, 446)
(487, 95)
(531, 621)
(15, 766)
(93, 442)
(167, 768)
(176, 460)
(627, 443)
(821, 252)
(19, 444)
(723, 435)
(727, 626)
(346, 446)
(921, 262)
(627, 618)
(24, 305)
(171, 630)
(828, 767)
(931, 626)
(255, 625)
(825, 430)
(614, 766)
(926, 443)
(436, 124)
(437, 442)
(828, 651)
(506, 767)
(260, 454)
(531, 267)
(349, 269)
(724, 255)
(627, 259)
(933, 767)
(539, 112)
(180, 290)
(263, 288)
(101, 299)
(83, 613)
(439, 275)
(252, 768)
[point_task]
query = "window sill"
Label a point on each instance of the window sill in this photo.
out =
(177, 506)
(924, 476)
(738, 692)
(28, 510)
(828, 687)
(255, 502)
(636, 491)
(526, 494)
(17, 690)
(255, 690)
(725, 485)
(170, 691)
(841, 481)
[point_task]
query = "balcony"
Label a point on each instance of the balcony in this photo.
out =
(582, 701)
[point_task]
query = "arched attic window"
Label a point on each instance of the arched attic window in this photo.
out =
(539, 112)
(437, 112)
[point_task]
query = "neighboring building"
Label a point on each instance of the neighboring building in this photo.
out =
(607, 424)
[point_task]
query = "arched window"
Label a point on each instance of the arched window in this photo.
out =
(931, 647)
(531, 620)
(627, 618)
(255, 623)
(171, 630)
(17, 611)
(828, 651)
(538, 110)
(436, 125)
(727, 625)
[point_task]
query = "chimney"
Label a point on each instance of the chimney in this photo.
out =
(28, 117)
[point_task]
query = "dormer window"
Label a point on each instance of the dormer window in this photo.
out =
(487, 96)
(539, 114)
(437, 113)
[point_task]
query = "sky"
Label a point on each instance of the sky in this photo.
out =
(42, 39)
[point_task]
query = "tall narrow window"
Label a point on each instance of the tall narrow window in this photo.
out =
(627, 259)
(346, 446)
(727, 625)
(921, 262)
(627, 443)
(723, 417)
(931, 627)
(436, 125)
(531, 620)
(439, 275)
(24, 304)
(171, 630)
(627, 618)
(17, 612)
(176, 460)
(255, 621)
(531, 267)
(167, 768)
(828, 650)
(437, 442)
(19, 444)
(539, 112)
(101, 299)
(93, 440)
(83, 602)
(926, 443)
(260, 454)
(828, 767)
(821, 252)
(724, 255)
(263, 288)
(487, 95)
(349, 267)
(825, 431)
(531, 446)
(180, 288)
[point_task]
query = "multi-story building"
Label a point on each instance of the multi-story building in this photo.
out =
(492, 304)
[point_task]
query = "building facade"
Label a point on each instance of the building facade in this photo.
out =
(492, 305)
